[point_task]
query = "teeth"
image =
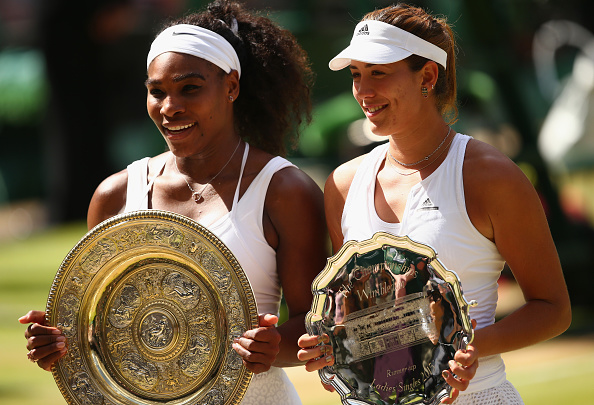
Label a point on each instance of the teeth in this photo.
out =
(374, 109)
(179, 128)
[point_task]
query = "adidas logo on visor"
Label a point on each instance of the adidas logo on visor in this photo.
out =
(363, 30)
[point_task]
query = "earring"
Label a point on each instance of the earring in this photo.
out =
(230, 98)
(424, 91)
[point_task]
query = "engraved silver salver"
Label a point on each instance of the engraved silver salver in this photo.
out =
(395, 317)
(150, 303)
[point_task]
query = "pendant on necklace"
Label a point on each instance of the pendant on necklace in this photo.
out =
(197, 196)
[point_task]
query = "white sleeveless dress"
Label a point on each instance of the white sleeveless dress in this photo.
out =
(435, 214)
(241, 230)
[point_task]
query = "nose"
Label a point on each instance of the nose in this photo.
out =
(171, 105)
(363, 88)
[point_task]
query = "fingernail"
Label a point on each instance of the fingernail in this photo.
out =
(328, 358)
(445, 374)
(61, 339)
(324, 349)
(56, 331)
(60, 345)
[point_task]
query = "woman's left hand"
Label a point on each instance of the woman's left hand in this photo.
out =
(464, 367)
(259, 347)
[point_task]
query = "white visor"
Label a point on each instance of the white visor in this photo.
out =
(196, 41)
(380, 43)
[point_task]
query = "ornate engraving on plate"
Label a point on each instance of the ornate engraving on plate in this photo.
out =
(82, 386)
(156, 330)
(182, 290)
(150, 303)
(126, 303)
(395, 317)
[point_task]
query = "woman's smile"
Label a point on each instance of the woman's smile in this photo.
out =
(178, 128)
(371, 111)
(176, 131)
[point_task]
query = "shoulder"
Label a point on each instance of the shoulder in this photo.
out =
(294, 207)
(494, 188)
(340, 180)
(285, 181)
(484, 164)
(292, 182)
(335, 194)
(109, 198)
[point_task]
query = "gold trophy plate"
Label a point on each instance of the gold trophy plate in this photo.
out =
(150, 302)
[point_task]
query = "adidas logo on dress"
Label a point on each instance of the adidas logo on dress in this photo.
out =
(428, 205)
(363, 30)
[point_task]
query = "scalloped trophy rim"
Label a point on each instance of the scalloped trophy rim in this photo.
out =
(164, 217)
(346, 252)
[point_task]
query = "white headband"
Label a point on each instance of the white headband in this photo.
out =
(379, 43)
(196, 41)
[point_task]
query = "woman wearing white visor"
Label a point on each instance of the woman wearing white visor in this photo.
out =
(216, 81)
(464, 198)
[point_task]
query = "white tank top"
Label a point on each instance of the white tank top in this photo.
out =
(435, 214)
(241, 230)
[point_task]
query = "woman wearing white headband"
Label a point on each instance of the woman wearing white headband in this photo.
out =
(464, 198)
(216, 81)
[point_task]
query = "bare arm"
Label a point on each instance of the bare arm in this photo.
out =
(301, 253)
(293, 211)
(505, 208)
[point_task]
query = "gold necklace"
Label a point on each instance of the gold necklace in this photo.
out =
(197, 195)
(421, 168)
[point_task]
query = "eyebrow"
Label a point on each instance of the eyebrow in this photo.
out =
(367, 65)
(177, 78)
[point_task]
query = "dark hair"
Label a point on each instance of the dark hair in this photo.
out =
(276, 77)
(432, 29)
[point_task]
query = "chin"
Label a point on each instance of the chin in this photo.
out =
(373, 132)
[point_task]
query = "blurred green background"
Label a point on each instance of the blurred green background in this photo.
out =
(72, 111)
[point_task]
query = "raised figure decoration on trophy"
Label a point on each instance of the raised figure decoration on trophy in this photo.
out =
(151, 302)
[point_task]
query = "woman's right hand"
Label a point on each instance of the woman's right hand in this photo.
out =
(315, 352)
(45, 344)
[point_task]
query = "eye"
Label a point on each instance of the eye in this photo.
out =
(355, 75)
(188, 88)
(377, 73)
(157, 93)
